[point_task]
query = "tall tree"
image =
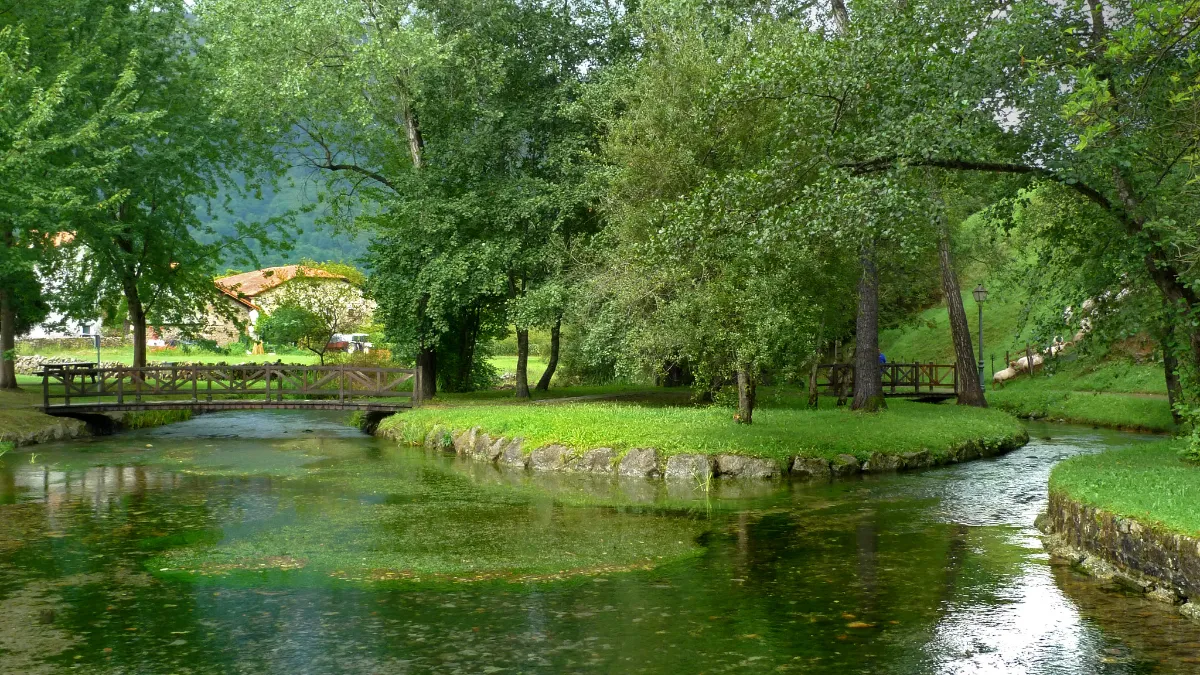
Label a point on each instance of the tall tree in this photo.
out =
(142, 246)
(52, 144)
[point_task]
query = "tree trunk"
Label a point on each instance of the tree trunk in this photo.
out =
(747, 386)
(522, 363)
(427, 373)
(1174, 386)
(1166, 340)
(969, 390)
(868, 376)
(8, 328)
(137, 317)
(416, 144)
(814, 401)
(555, 339)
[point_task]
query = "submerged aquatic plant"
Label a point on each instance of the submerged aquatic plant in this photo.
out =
(5, 446)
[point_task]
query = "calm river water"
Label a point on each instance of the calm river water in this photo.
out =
(286, 543)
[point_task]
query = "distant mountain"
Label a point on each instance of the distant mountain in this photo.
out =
(313, 242)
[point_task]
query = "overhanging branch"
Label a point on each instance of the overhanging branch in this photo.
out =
(883, 163)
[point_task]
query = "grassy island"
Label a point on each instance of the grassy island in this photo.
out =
(777, 433)
(1147, 482)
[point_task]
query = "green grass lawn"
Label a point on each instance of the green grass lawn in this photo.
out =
(1116, 394)
(776, 433)
(927, 337)
(508, 364)
(172, 355)
(1148, 482)
(1118, 411)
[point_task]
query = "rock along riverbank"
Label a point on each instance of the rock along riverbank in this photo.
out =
(474, 443)
(1162, 564)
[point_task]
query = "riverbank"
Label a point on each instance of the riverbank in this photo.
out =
(23, 423)
(1130, 515)
(703, 442)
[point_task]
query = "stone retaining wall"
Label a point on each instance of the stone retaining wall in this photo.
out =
(651, 463)
(1164, 565)
(70, 343)
(28, 365)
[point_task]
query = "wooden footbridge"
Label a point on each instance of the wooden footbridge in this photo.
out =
(80, 389)
(927, 381)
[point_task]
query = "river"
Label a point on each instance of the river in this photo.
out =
(285, 542)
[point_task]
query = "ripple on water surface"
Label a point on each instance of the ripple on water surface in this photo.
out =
(274, 542)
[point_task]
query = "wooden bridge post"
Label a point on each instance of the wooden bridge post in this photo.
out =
(45, 388)
(120, 386)
(342, 385)
(194, 374)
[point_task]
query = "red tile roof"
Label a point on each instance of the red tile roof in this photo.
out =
(250, 284)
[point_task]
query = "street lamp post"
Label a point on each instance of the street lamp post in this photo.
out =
(980, 294)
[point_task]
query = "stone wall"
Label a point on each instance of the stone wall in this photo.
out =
(651, 463)
(28, 365)
(69, 344)
(1165, 565)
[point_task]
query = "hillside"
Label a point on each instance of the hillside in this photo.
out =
(313, 241)
(1110, 390)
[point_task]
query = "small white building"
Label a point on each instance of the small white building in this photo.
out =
(58, 326)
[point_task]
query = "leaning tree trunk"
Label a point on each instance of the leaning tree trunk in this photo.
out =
(555, 340)
(868, 376)
(427, 373)
(969, 390)
(8, 329)
(747, 386)
(522, 363)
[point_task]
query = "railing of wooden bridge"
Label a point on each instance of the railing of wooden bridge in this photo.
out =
(899, 379)
(270, 383)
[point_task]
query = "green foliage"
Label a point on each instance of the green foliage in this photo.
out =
(25, 293)
(154, 418)
(169, 154)
(1146, 481)
(294, 325)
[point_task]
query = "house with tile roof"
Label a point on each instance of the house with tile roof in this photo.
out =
(258, 293)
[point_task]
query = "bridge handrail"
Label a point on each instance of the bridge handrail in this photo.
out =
(898, 378)
(272, 381)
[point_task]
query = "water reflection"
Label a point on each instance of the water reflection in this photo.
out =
(937, 572)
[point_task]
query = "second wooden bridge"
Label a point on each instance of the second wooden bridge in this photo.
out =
(932, 381)
(82, 388)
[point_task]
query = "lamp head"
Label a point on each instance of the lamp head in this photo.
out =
(980, 293)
